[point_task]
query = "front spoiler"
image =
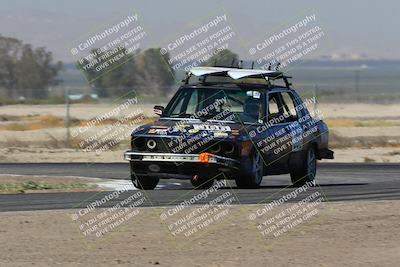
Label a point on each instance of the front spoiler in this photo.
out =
(203, 158)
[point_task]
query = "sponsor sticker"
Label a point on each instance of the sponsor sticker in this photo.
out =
(220, 134)
(207, 127)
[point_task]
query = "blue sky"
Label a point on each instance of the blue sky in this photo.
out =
(370, 28)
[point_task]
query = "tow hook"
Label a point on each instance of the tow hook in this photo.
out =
(195, 178)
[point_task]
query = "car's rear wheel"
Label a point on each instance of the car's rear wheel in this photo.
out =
(251, 173)
(145, 183)
(307, 171)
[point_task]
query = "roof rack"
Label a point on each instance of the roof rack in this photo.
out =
(237, 73)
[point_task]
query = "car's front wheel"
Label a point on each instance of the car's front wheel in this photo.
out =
(145, 183)
(308, 169)
(251, 173)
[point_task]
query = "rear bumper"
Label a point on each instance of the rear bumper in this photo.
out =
(179, 166)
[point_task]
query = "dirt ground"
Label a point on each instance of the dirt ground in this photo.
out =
(340, 234)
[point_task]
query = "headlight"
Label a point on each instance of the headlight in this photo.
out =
(229, 148)
(151, 144)
(215, 148)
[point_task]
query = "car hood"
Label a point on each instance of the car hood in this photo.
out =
(175, 128)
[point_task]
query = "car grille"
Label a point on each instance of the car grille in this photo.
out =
(170, 145)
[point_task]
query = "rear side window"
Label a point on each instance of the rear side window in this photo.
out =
(281, 107)
(289, 106)
(273, 105)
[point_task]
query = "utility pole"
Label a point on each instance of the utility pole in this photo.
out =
(357, 84)
(315, 98)
(67, 104)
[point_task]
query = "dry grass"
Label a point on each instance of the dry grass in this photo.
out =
(368, 160)
(333, 123)
(25, 184)
(337, 141)
(394, 153)
(28, 123)
(34, 186)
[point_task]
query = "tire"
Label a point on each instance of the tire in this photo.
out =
(251, 172)
(145, 183)
(202, 182)
(308, 169)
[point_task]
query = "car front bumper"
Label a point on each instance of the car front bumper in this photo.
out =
(170, 165)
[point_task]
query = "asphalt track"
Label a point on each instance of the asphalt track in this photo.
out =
(335, 182)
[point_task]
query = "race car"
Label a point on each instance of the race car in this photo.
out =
(230, 123)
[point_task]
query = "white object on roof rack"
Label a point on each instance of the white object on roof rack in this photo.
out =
(200, 71)
(242, 73)
(232, 72)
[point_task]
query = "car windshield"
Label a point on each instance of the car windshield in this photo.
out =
(244, 106)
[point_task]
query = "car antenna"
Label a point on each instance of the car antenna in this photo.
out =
(252, 65)
(277, 66)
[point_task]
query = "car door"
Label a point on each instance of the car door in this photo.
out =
(284, 132)
(306, 121)
(273, 130)
(294, 127)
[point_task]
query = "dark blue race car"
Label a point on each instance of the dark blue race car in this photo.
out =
(230, 123)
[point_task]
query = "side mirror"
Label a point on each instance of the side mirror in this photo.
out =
(158, 110)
